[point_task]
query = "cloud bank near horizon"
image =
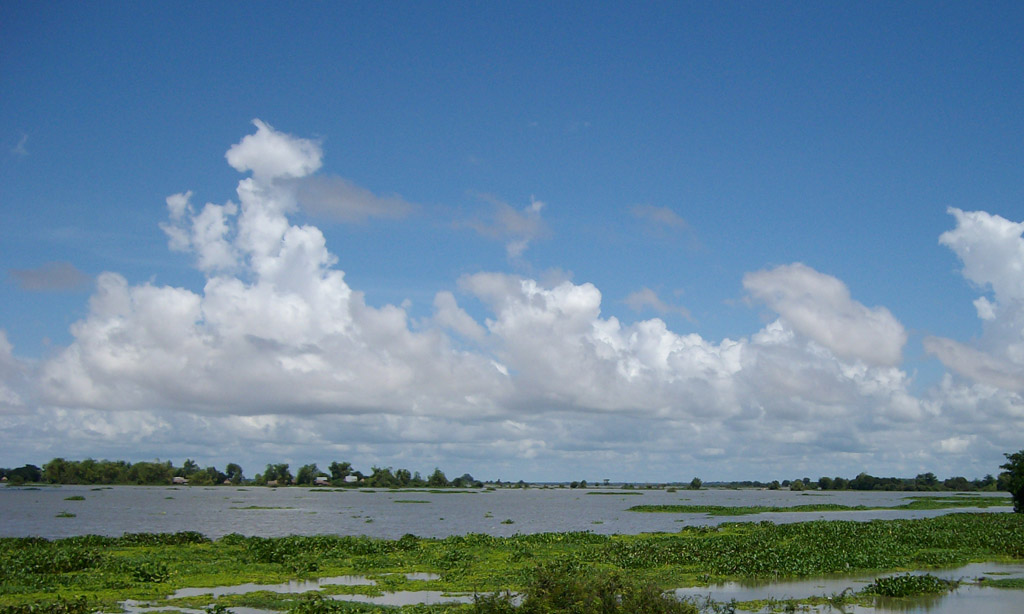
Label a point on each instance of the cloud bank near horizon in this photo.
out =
(279, 356)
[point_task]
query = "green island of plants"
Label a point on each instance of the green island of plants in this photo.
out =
(908, 585)
(546, 569)
(916, 503)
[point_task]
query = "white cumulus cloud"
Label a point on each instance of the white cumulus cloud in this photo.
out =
(270, 154)
(991, 249)
(277, 354)
(819, 306)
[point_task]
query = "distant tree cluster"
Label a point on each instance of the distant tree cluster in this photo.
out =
(339, 474)
(91, 471)
(23, 474)
(922, 482)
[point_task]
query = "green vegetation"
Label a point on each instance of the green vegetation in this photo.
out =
(261, 507)
(75, 498)
(1010, 583)
(91, 471)
(916, 503)
(559, 586)
(149, 567)
(613, 492)
(1014, 478)
(908, 585)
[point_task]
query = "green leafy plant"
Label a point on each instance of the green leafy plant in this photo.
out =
(908, 585)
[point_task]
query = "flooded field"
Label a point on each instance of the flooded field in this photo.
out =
(65, 511)
(273, 548)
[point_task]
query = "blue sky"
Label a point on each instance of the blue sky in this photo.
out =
(578, 241)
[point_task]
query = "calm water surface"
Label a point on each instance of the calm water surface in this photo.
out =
(268, 512)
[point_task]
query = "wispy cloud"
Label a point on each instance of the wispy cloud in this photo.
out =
(646, 299)
(336, 199)
(20, 149)
(50, 277)
(516, 227)
(666, 224)
(660, 216)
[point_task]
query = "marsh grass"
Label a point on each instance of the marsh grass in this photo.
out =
(260, 507)
(106, 570)
(615, 493)
(1010, 583)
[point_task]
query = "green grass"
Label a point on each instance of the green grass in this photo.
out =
(75, 498)
(916, 503)
(410, 501)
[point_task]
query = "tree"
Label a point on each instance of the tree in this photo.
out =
(339, 471)
(278, 474)
(283, 475)
(958, 483)
(306, 474)
(187, 469)
(207, 477)
(926, 481)
(1015, 479)
(438, 479)
(696, 483)
(234, 472)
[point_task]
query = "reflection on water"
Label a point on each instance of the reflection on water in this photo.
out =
(967, 597)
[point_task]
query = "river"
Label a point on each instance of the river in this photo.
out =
(56, 511)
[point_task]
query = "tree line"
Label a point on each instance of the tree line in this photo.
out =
(341, 474)
(107, 472)
(865, 481)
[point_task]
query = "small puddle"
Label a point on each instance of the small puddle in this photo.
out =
(408, 598)
(422, 576)
(134, 607)
(294, 586)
